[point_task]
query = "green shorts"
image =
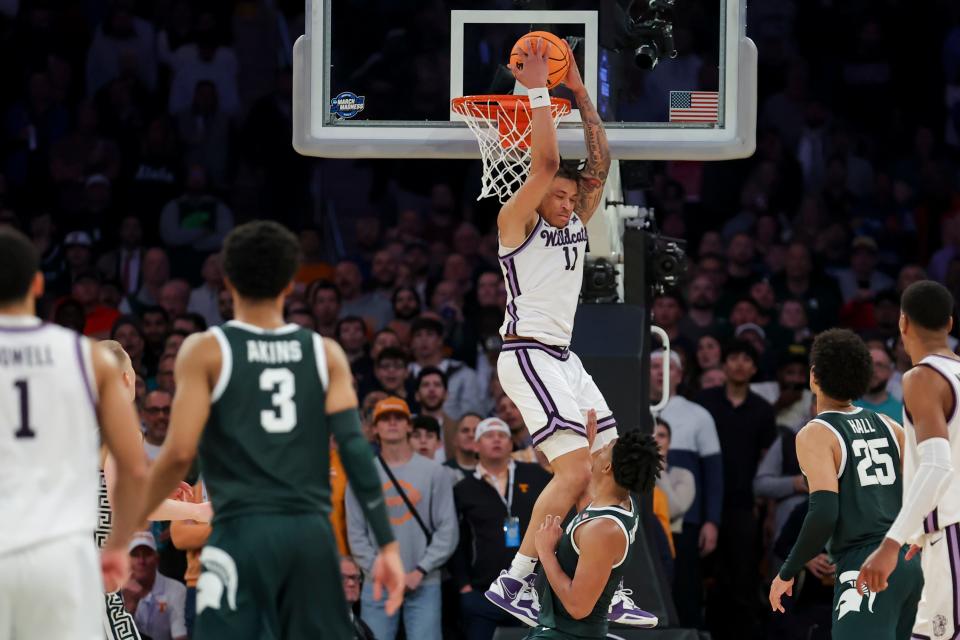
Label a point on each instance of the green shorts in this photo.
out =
(271, 577)
(887, 615)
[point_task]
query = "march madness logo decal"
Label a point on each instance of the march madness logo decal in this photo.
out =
(347, 104)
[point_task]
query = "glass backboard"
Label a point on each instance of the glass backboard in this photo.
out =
(374, 78)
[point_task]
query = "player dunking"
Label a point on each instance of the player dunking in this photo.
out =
(851, 458)
(584, 564)
(265, 396)
(543, 238)
(930, 515)
(55, 389)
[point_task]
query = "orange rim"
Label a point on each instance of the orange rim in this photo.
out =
(493, 106)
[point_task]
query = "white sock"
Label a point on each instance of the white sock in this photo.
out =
(522, 566)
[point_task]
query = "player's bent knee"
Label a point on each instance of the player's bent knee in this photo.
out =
(572, 471)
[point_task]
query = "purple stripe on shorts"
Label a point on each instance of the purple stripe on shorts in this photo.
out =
(919, 636)
(936, 518)
(83, 372)
(607, 423)
(560, 353)
(556, 424)
(953, 548)
(539, 389)
(928, 523)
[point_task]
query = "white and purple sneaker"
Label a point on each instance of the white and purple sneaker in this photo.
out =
(624, 611)
(516, 597)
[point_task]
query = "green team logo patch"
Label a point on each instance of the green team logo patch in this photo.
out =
(219, 578)
(851, 600)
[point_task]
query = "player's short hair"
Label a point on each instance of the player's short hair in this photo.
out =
(431, 371)
(841, 363)
(19, 263)
(569, 169)
(260, 259)
(116, 349)
(636, 462)
(928, 304)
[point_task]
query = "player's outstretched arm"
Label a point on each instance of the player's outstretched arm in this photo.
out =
(932, 479)
(169, 509)
(519, 212)
(594, 174)
(118, 430)
(198, 365)
(602, 544)
(818, 453)
(357, 457)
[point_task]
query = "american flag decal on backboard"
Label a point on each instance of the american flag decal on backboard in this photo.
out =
(694, 106)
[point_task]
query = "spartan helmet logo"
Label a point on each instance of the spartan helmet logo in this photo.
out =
(850, 598)
(219, 576)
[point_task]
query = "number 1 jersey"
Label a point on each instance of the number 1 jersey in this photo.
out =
(49, 434)
(869, 480)
(266, 446)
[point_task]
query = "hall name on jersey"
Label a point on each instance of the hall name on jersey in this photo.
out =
(562, 237)
(274, 352)
(28, 356)
(861, 425)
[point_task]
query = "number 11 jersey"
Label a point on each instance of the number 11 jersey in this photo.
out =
(266, 445)
(543, 277)
(869, 479)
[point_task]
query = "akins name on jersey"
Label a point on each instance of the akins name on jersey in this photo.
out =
(274, 351)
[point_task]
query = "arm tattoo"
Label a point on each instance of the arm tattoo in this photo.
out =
(594, 174)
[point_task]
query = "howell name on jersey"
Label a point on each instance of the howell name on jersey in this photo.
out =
(30, 355)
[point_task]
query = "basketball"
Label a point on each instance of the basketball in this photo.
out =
(557, 59)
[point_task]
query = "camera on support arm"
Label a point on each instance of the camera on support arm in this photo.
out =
(662, 260)
(645, 26)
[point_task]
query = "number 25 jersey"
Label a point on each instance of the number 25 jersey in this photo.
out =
(266, 445)
(869, 479)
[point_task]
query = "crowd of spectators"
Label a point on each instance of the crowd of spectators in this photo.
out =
(136, 134)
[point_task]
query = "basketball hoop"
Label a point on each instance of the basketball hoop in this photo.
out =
(502, 127)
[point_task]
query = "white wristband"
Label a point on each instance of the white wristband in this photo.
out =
(539, 97)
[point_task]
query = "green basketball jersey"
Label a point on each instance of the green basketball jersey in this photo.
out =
(266, 445)
(870, 482)
(552, 613)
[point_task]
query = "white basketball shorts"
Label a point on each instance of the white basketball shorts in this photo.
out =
(553, 392)
(938, 615)
(52, 590)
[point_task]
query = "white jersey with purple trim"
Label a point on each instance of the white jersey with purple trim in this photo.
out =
(543, 277)
(49, 434)
(948, 510)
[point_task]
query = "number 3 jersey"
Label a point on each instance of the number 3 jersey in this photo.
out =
(869, 479)
(266, 446)
(543, 277)
(49, 434)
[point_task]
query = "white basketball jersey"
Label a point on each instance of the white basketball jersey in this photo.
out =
(948, 510)
(49, 436)
(543, 278)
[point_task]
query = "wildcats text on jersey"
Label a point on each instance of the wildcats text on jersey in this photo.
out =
(561, 237)
(274, 352)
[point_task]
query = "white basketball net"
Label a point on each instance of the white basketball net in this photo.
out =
(501, 125)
